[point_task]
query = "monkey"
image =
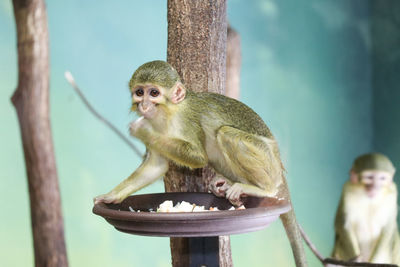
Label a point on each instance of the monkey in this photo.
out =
(195, 129)
(366, 219)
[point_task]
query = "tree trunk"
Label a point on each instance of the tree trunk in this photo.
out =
(233, 62)
(197, 49)
(31, 100)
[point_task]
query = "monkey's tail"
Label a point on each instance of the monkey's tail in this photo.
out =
(311, 245)
(295, 239)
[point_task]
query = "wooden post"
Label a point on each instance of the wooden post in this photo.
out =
(31, 100)
(197, 50)
(233, 62)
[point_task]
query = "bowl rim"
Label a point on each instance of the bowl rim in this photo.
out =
(105, 211)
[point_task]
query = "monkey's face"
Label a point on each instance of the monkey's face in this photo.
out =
(374, 181)
(146, 98)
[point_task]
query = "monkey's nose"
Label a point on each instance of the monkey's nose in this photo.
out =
(144, 108)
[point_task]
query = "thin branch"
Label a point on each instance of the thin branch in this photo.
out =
(311, 245)
(338, 262)
(71, 80)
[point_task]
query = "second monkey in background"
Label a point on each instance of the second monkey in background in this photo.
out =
(366, 219)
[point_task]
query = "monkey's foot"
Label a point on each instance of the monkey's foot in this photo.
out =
(107, 198)
(234, 193)
(219, 185)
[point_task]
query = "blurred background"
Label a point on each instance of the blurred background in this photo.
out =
(322, 74)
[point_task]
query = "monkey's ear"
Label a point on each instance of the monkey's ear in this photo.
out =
(353, 177)
(178, 93)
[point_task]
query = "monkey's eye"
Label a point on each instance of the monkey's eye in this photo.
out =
(139, 92)
(154, 92)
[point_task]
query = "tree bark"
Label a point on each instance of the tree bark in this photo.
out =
(31, 100)
(197, 33)
(233, 62)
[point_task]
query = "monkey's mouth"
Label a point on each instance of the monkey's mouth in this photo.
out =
(371, 191)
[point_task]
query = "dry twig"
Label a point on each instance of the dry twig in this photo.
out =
(71, 80)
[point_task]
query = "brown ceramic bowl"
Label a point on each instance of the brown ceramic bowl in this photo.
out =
(259, 213)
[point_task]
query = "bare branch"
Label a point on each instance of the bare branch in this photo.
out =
(311, 245)
(71, 80)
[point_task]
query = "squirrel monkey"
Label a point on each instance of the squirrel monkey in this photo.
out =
(195, 129)
(366, 226)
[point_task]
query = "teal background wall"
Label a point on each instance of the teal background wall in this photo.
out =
(385, 30)
(311, 70)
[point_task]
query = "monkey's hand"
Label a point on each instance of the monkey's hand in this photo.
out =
(108, 198)
(141, 128)
(219, 185)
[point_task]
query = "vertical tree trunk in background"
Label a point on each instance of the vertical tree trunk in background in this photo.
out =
(31, 100)
(233, 62)
(197, 50)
